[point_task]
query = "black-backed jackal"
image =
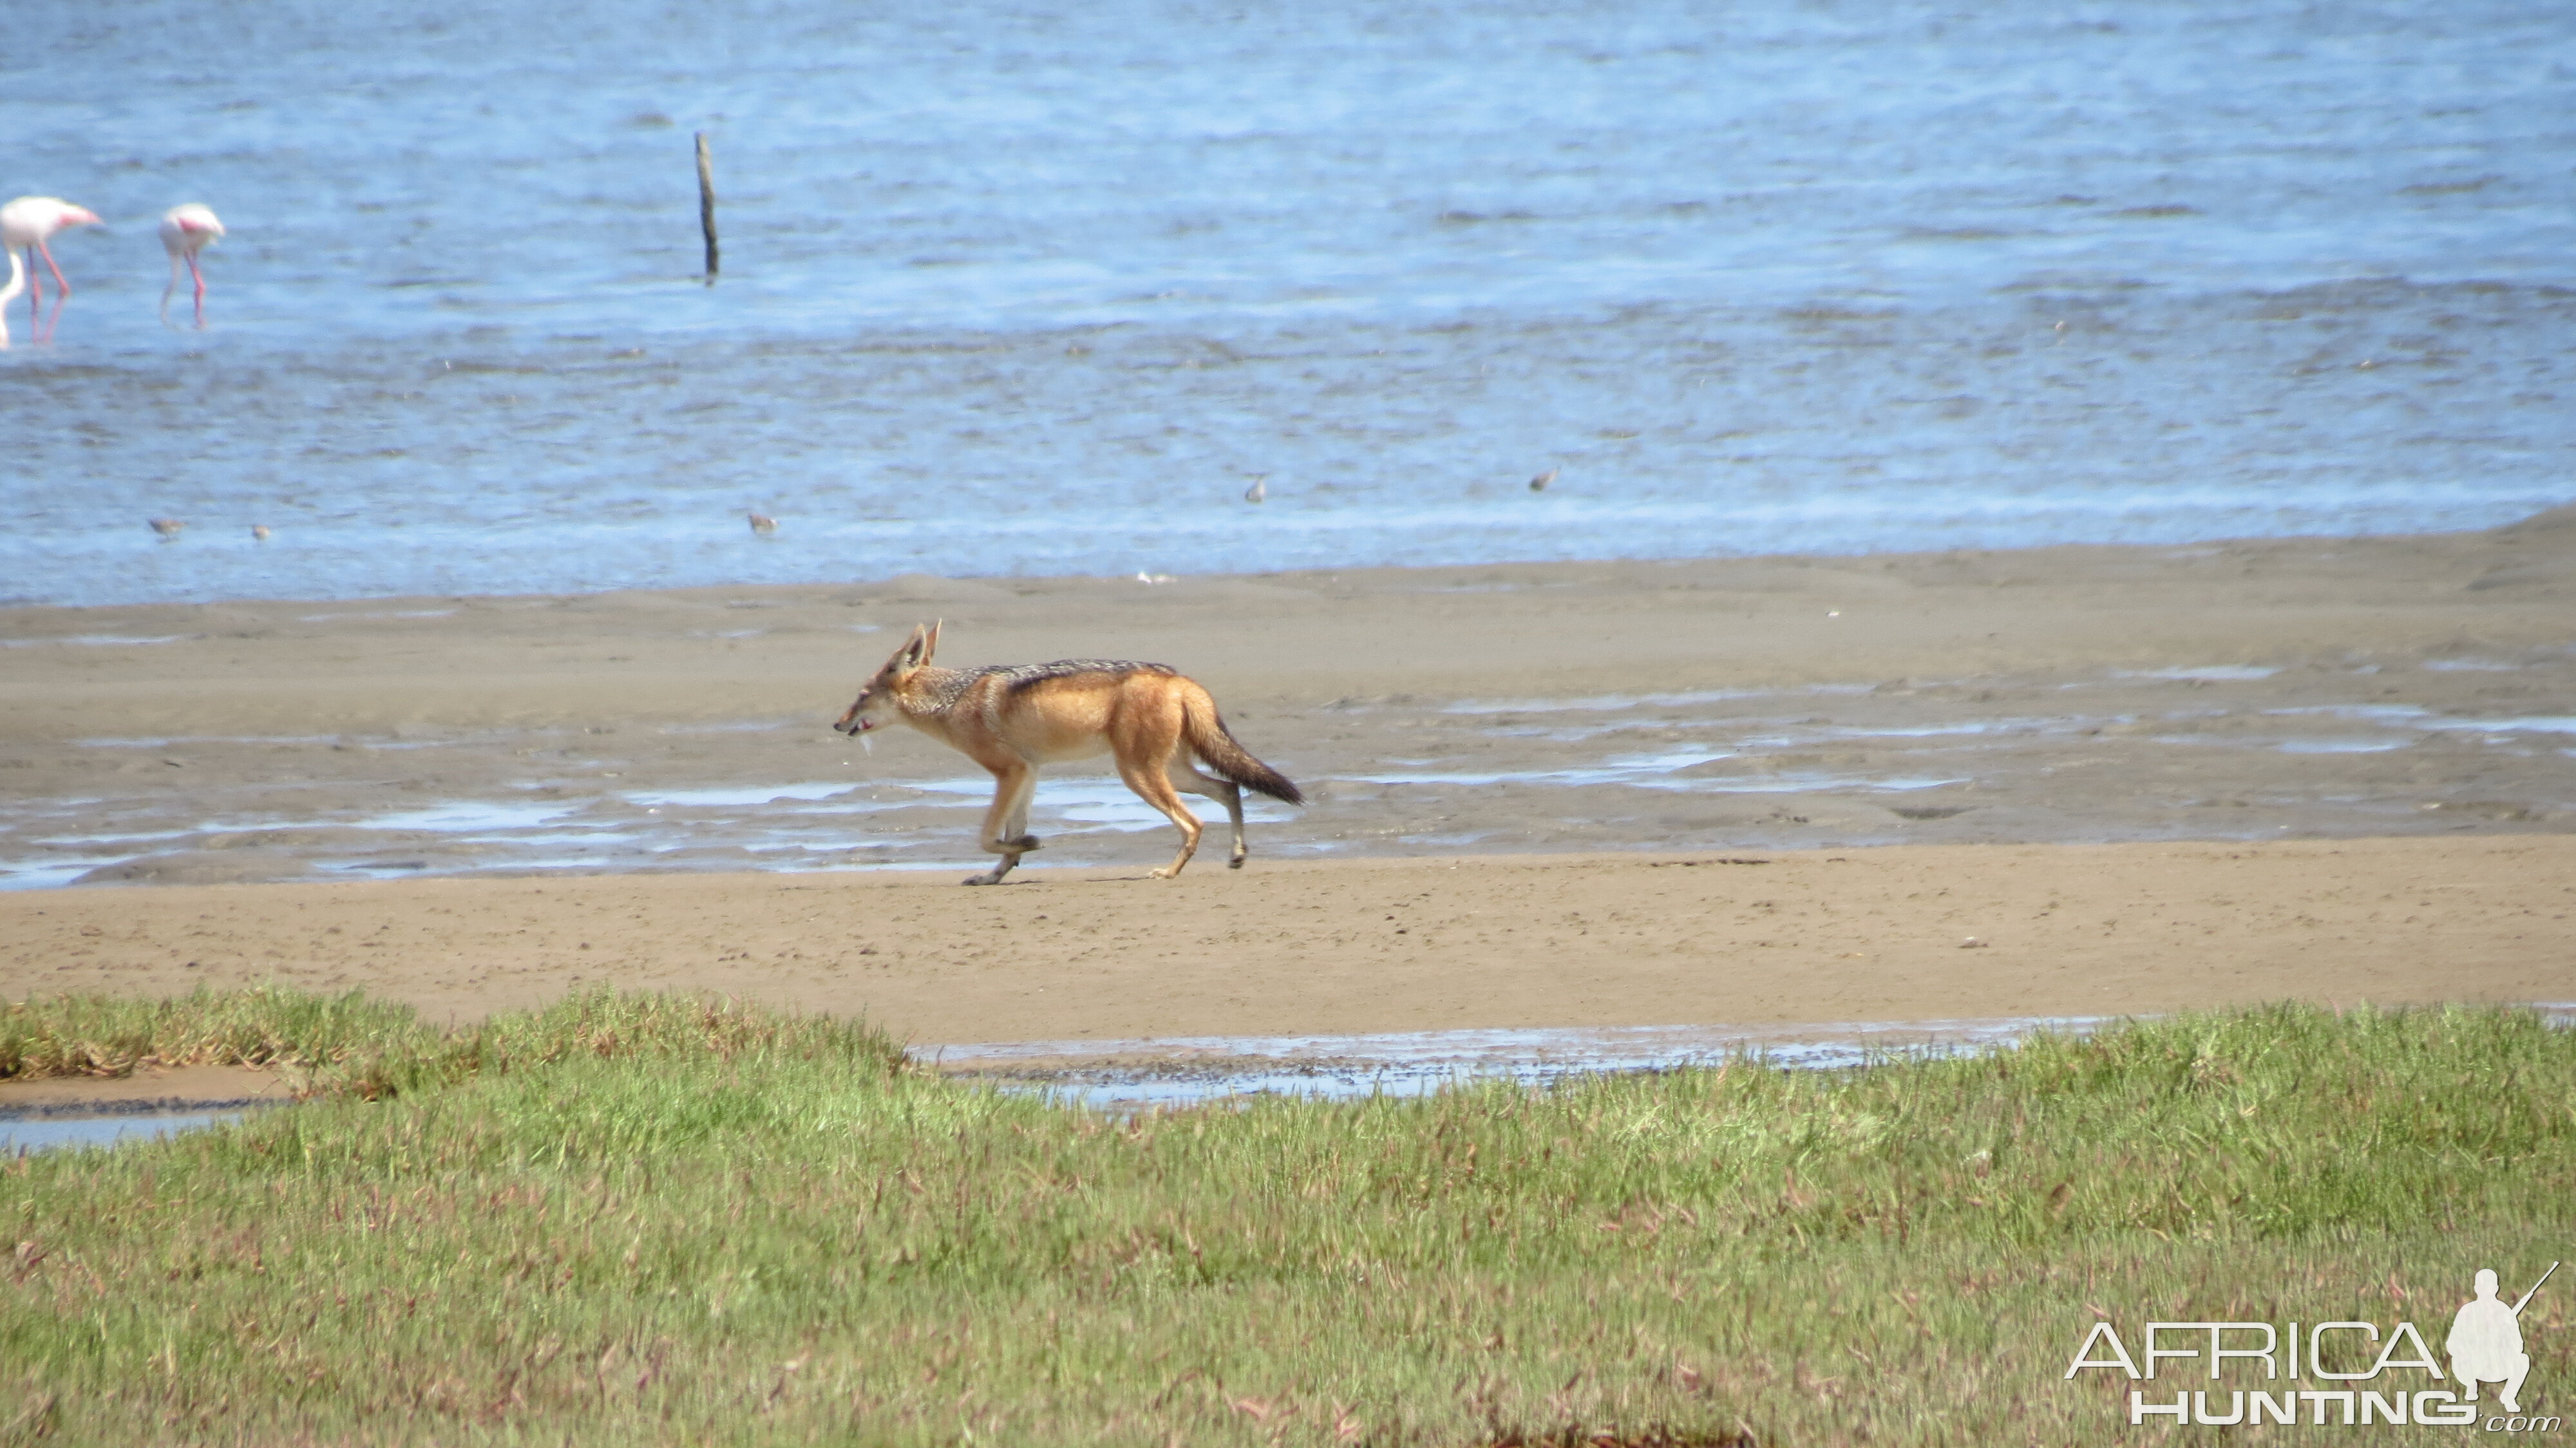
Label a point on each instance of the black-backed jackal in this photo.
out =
(1013, 718)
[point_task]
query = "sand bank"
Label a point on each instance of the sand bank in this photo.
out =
(2301, 688)
(2143, 778)
(1895, 934)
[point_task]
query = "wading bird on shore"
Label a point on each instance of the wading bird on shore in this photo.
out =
(186, 231)
(1259, 490)
(168, 527)
(26, 225)
(8, 294)
(1539, 484)
(763, 524)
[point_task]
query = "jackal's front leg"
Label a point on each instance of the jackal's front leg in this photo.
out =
(1006, 822)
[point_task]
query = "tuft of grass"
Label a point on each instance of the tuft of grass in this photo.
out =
(639, 1218)
(266, 1026)
(639, 1028)
(348, 1044)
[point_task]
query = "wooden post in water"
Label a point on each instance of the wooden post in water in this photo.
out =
(707, 204)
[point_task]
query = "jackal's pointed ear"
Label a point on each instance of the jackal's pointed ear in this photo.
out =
(914, 653)
(930, 644)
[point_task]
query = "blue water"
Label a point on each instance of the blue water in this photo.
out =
(1017, 289)
(1181, 1071)
(20, 1135)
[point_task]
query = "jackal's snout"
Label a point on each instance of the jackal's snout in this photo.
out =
(855, 721)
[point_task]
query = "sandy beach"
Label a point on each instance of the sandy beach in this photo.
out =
(2142, 778)
(1347, 947)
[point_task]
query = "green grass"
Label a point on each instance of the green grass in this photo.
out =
(101, 1035)
(647, 1219)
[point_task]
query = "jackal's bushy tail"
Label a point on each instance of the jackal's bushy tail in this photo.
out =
(1204, 728)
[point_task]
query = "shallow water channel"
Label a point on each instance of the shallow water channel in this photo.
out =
(1127, 1076)
(22, 1131)
(1180, 1071)
(1122, 1076)
(1177, 1071)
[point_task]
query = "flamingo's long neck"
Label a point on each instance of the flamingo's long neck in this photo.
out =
(9, 293)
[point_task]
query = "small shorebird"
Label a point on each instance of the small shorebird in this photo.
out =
(763, 524)
(1539, 484)
(259, 532)
(1259, 490)
(167, 527)
(185, 231)
(26, 224)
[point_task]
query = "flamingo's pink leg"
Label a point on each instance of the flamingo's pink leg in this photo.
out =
(60, 285)
(62, 290)
(35, 297)
(200, 279)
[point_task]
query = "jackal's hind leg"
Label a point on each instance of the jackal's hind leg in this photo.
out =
(1224, 791)
(1154, 787)
(1006, 822)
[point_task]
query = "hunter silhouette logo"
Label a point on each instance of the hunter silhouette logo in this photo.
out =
(2485, 1345)
(2486, 1341)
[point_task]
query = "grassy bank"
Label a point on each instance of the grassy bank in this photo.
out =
(643, 1219)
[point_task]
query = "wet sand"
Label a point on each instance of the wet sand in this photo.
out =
(151, 1089)
(2145, 778)
(1906, 933)
(2304, 688)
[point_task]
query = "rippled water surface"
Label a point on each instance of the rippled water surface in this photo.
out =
(1010, 289)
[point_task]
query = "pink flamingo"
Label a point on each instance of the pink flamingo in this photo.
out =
(186, 231)
(26, 224)
(9, 293)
